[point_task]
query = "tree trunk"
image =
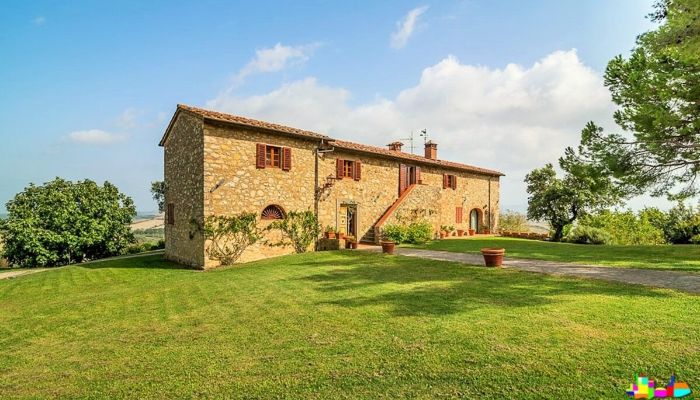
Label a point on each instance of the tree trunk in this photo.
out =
(558, 233)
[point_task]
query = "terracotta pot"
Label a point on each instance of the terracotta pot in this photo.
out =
(493, 257)
(472, 232)
(330, 235)
(487, 231)
(388, 246)
(442, 235)
(353, 245)
(460, 232)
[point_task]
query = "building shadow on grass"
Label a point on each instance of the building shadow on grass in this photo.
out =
(410, 286)
(150, 260)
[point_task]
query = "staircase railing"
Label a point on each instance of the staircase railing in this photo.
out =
(389, 212)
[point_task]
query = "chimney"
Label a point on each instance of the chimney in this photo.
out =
(395, 146)
(431, 150)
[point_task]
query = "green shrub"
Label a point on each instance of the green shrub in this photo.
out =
(419, 232)
(626, 227)
(512, 221)
(695, 239)
(682, 224)
(299, 229)
(396, 232)
(136, 248)
(588, 235)
(229, 236)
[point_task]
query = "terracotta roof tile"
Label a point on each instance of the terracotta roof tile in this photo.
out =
(234, 119)
(413, 157)
(219, 116)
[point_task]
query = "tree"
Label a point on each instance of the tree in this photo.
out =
(658, 91)
(158, 192)
(560, 201)
(61, 222)
(229, 236)
(299, 229)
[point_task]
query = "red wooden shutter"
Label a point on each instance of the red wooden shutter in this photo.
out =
(402, 178)
(444, 181)
(339, 168)
(454, 182)
(418, 180)
(358, 170)
(458, 215)
(286, 158)
(260, 155)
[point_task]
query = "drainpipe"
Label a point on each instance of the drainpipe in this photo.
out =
(318, 151)
(489, 225)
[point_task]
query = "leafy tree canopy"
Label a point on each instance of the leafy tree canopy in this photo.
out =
(61, 222)
(158, 193)
(657, 89)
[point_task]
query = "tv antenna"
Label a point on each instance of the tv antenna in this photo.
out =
(424, 133)
(410, 140)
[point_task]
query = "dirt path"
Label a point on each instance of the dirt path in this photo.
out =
(685, 281)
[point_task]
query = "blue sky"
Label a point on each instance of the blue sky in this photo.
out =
(87, 88)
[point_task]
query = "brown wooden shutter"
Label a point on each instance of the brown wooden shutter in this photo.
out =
(358, 170)
(444, 181)
(339, 168)
(403, 170)
(454, 182)
(259, 155)
(170, 216)
(286, 158)
(418, 179)
(458, 215)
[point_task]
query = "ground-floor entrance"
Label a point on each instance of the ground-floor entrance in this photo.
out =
(347, 219)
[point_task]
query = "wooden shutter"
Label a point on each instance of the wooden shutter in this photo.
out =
(403, 170)
(454, 182)
(458, 215)
(418, 179)
(444, 181)
(170, 215)
(358, 170)
(286, 158)
(339, 168)
(260, 155)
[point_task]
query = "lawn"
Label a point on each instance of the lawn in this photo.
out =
(675, 257)
(336, 325)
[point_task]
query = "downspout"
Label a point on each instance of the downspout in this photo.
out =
(490, 210)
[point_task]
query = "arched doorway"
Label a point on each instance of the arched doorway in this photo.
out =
(475, 219)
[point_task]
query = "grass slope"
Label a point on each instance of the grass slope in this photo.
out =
(335, 325)
(676, 257)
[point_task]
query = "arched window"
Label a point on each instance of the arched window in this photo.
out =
(273, 211)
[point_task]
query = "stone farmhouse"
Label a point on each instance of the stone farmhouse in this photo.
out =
(222, 164)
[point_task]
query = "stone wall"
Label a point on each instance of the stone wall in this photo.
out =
(231, 184)
(183, 172)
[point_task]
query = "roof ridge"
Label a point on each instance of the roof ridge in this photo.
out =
(348, 145)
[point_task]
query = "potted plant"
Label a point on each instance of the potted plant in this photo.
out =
(451, 230)
(444, 229)
(471, 232)
(330, 232)
(350, 242)
(388, 245)
(493, 257)
(460, 232)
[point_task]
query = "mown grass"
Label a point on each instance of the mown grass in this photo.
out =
(336, 325)
(675, 257)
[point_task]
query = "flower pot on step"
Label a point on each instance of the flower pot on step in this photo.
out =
(460, 232)
(388, 246)
(472, 232)
(493, 257)
(442, 235)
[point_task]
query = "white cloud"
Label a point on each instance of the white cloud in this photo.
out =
(275, 59)
(128, 119)
(39, 21)
(405, 28)
(512, 119)
(94, 136)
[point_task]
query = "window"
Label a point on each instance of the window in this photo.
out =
(272, 211)
(348, 168)
(273, 156)
(449, 181)
(170, 214)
